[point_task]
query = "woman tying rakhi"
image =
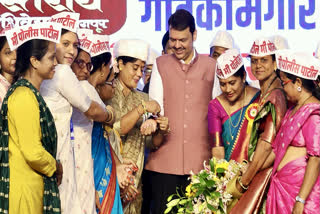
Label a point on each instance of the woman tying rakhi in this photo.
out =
(230, 113)
(270, 111)
(30, 173)
(130, 106)
(295, 182)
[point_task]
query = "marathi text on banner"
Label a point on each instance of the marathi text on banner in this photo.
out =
(234, 12)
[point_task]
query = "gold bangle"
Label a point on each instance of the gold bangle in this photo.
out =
(144, 106)
(241, 184)
(110, 114)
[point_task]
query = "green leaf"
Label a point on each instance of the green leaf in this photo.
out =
(168, 210)
(210, 183)
(183, 201)
(220, 170)
(200, 191)
(211, 207)
(195, 186)
(189, 210)
(211, 165)
(173, 202)
(215, 194)
(170, 197)
(202, 182)
(180, 210)
(203, 175)
(221, 203)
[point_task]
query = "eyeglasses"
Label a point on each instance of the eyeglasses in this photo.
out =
(148, 70)
(83, 64)
(285, 82)
(111, 83)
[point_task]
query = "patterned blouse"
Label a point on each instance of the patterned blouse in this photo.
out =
(133, 141)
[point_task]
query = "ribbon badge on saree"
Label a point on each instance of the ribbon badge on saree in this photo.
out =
(251, 113)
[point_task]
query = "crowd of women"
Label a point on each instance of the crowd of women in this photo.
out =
(74, 129)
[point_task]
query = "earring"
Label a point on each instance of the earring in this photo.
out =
(299, 89)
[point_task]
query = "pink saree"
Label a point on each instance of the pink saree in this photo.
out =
(220, 129)
(300, 130)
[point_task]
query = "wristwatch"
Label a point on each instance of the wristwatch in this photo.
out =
(300, 200)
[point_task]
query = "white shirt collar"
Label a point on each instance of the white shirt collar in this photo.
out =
(193, 57)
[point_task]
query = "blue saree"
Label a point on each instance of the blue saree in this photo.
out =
(105, 178)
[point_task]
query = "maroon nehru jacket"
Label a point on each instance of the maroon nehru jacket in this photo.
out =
(187, 91)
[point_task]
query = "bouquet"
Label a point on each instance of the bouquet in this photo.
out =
(206, 192)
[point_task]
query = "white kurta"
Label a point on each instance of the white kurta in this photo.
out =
(82, 150)
(61, 93)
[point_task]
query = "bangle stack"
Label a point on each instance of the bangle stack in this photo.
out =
(110, 116)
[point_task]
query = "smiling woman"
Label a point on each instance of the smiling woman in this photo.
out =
(297, 147)
(130, 106)
(266, 122)
(62, 93)
(67, 48)
(7, 66)
(227, 120)
(28, 142)
(82, 65)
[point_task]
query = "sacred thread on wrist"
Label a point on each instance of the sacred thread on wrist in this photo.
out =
(144, 107)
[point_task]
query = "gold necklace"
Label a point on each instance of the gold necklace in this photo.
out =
(230, 120)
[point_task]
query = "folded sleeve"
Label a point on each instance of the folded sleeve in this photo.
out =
(214, 124)
(156, 87)
(23, 110)
(311, 133)
(70, 87)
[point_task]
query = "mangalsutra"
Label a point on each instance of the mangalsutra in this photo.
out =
(238, 123)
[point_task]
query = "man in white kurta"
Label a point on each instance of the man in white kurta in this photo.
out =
(61, 93)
